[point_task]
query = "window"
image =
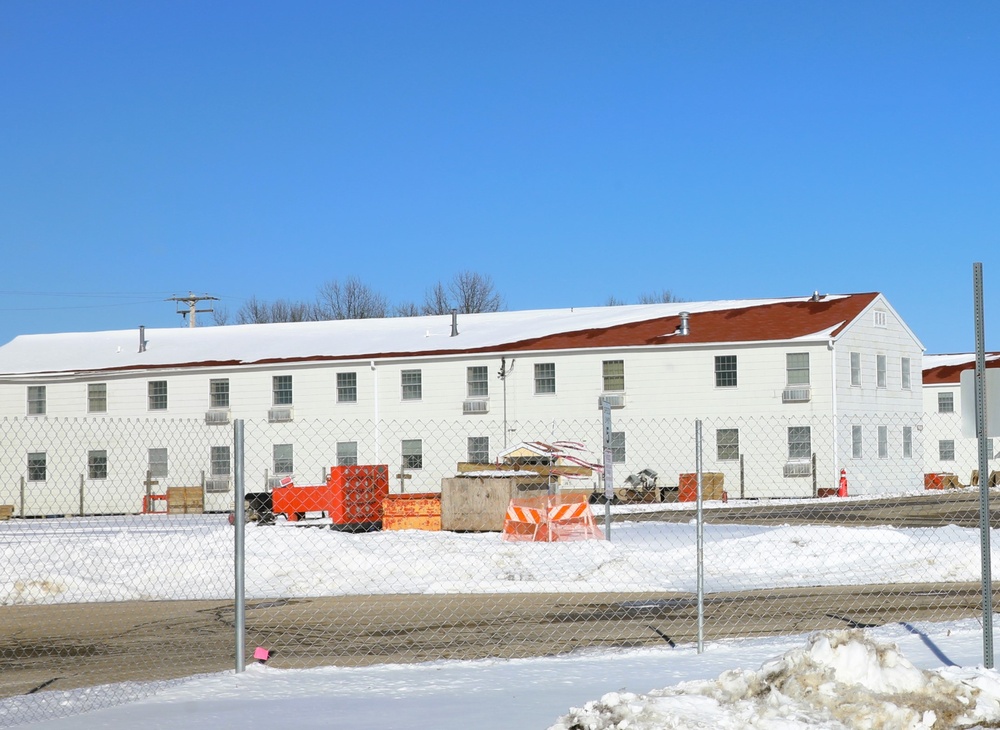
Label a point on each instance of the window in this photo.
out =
(946, 450)
(347, 453)
(946, 402)
(880, 371)
(97, 398)
(904, 372)
(347, 387)
(284, 463)
(36, 466)
(157, 463)
(856, 368)
(907, 442)
(857, 439)
(545, 377)
(879, 318)
(883, 442)
(617, 447)
(97, 464)
(727, 444)
(413, 454)
(725, 371)
(797, 368)
(613, 372)
(479, 449)
(221, 462)
(799, 443)
(218, 393)
(412, 383)
(477, 381)
(36, 400)
(281, 390)
(157, 392)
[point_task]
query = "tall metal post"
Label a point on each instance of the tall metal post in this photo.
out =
(609, 479)
(239, 545)
(700, 532)
(81, 495)
(984, 482)
(22, 498)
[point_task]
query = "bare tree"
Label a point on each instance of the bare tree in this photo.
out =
(350, 299)
(256, 311)
(613, 301)
(473, 292)
(436, 300)
(220, 315)
(665, 296)
(406, 309)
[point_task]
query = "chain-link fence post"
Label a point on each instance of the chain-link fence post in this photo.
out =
(239, 545)
(700, 532)
(984, 482)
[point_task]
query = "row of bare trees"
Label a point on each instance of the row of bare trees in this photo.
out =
(468, 292)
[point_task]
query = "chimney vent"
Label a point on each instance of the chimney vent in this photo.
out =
(142, 338)
(454, 323)
(682, 328)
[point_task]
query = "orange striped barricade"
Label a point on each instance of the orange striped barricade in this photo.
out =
(562, 517)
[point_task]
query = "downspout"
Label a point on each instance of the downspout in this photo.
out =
(836, 423)
(378, 425)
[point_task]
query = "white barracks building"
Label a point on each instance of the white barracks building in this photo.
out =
(790, 391)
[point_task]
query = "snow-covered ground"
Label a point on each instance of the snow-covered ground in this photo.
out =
(848, 679)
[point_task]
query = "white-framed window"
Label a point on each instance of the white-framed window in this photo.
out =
(347, 387)
(37, 468)
(879, 318)
(281, 390)
(97, 464)
(218, 393)
(477, 381)
(36, 400)
(907, 442)
(545, 377)
(283, 459)
(797, 368)
(617, 447)
(157, 463)
(946, 450)
(156, 391)
(880, 371)
(97, 397)
(857, 441)
(727, 444)
(613, 376)
(883, 442)
(413, 454)
(347, 453)
(904, 372)
(725, 371)
(411, 382)
(946, 402)
(479, 449)
(220, 461)
(856, 369)
(799, 443)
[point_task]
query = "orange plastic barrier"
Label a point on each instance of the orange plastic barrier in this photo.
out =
(553, 518)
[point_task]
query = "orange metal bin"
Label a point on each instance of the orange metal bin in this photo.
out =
(351, 498)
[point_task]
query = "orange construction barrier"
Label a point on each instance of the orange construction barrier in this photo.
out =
(553, 518)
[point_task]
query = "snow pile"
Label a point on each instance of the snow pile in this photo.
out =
(839, 679)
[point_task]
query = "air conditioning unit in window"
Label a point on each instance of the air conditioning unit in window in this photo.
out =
(217, 485)
(615, 400)
(795, 395)
(217, 418)
(798, 469)
(279, 415)
(476, 406)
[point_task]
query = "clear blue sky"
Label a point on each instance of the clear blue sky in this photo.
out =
(572, 150)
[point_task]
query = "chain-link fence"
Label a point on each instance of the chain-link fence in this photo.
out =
(118, 560)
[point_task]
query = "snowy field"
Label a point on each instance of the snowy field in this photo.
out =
(827, 680)
(157, 557)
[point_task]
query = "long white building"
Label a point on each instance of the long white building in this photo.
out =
(790, 391)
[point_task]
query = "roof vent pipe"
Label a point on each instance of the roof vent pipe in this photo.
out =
(142, 338)
(682, 328)
(816, 297)
(454, 323)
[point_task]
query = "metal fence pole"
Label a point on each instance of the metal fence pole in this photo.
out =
(984, 482)
(22, 498)
(700, 531)
(81, 495)
(239, 545)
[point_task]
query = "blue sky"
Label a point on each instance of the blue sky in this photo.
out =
(572, 150)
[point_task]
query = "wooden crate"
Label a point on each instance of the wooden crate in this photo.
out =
(6, 511)
(711, 486)
(479, 504)
(418, 511)
(185, 500)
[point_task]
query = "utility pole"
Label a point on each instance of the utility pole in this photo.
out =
(192, 305)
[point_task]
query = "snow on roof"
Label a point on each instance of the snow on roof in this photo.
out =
(744, 320)
(947, 369)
